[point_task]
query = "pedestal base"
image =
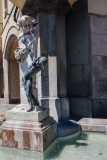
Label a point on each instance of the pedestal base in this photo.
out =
(19, 113)
(28, 135)
(59, 107)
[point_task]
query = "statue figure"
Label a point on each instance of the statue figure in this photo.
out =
(28, 27)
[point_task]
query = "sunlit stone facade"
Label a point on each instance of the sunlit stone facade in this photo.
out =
(73, 36)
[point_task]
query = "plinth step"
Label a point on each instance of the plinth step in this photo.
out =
(92, 124)
(67, 128)
(19, 113)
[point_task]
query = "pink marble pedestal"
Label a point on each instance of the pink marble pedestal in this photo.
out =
(29, 131)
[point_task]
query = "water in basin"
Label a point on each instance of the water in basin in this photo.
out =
(85, 146)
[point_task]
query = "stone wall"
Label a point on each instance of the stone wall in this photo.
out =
(78, 59)
(99, 64)
(87, 58)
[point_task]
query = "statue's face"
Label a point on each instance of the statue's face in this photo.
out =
(27, 27)
(27, 24)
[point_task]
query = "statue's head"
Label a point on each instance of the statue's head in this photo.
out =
(27, 24)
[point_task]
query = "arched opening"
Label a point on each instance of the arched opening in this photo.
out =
(14, 78)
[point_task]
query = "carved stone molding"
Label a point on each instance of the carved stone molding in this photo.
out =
(34, 6)
(11, 40)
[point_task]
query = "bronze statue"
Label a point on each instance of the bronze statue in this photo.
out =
(35, 67)
(28, 24)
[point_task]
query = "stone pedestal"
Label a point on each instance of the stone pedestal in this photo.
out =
(29, 131)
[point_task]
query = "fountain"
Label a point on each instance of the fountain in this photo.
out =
(86, 145)
(28, 126)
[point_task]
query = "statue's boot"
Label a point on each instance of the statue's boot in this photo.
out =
(31, 108)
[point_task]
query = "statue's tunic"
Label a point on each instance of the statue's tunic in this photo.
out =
(31, 38)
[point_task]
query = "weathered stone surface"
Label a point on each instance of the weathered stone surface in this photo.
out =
(34, 6)
(99, 74)
(92, 124)
(94, 121)
(19, 113)
(65, 110)
(55, 108)
(100, 108)
(54, 105)
(6, 107)
(67, 128)
(2, 119)
(78, 61)
(96, 69)
(77, 73)
(100, 88)
(52, 92)
(106, 130)
(1, 100)
(97, 7)
(26, 140)
(81, 107)
(35, 136)
(7, 137)
(98, 24)
(98, 44)
(61, 56)
(95, 128)
(58, 107)
(99, 59)
(104, 66)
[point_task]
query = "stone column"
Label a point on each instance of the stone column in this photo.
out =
(6, 81)
(1, 76)
(52, 81)
(62, 66)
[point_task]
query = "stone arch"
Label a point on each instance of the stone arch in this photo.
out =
(11, 36)
(11, 68)
(12, 39)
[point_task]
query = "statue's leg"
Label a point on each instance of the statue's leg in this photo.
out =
(29, 94)
(24, 83)
(36, 102)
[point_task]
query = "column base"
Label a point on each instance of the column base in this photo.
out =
(19, 113)
(58, 107)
